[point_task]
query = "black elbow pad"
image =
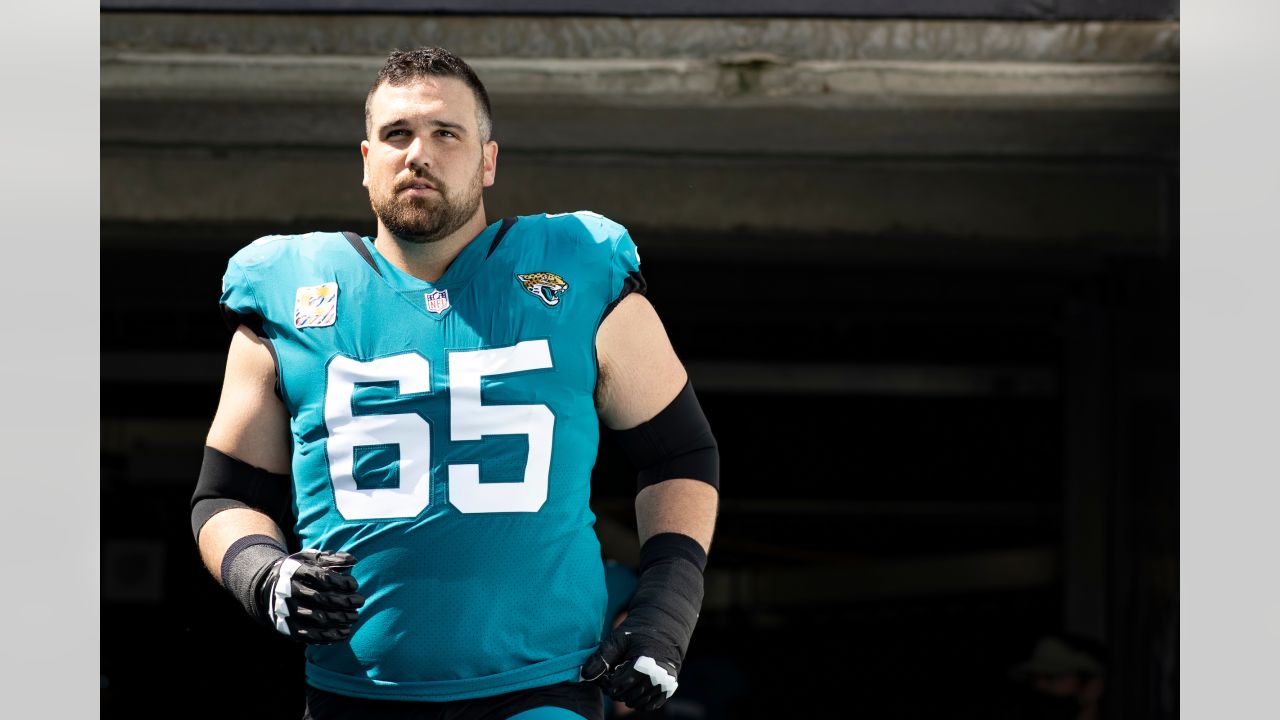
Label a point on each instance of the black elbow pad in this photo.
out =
(226, 482)
(675, 443)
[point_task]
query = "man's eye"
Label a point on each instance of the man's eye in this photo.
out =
(394, 133)
(445, 133)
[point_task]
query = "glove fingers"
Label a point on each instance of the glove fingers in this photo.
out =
(596, 667)
(634, 688)
(621, 680)
(306, 556)
(323, 636)
(593, 668)
(340, 601)
(316, 617)
(657, 700)
(312, 596)
(631, 697)
(649, 698)
(339, 562)
(328, 600)
(324, 579)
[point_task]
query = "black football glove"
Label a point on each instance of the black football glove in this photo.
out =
(309, 596)
(638, 662)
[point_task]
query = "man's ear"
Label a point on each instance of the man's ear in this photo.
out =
(490, 159)
(364, 159)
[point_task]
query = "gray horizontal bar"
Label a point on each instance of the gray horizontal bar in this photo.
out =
(668, 82)
(1013, 10)
(507, 36)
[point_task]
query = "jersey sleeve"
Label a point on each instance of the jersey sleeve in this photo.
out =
(238, 303)
(624, 259)
(625, 275)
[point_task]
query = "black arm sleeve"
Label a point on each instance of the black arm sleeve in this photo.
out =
(675, 443)
(226, 482)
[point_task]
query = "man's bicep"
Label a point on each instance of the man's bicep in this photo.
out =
(251, 423)
(639, 371)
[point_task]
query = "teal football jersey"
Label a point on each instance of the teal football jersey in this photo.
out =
(444, 434)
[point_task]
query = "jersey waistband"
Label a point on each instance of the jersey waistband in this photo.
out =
(547, 672)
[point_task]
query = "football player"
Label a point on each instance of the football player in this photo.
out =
(423, 407)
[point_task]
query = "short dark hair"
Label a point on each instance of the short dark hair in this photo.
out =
(405, 66)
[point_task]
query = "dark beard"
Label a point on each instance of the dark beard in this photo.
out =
(426, 219)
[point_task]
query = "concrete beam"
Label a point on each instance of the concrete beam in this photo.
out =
(750, 104)
(528, 38)
(524, 125)
(1118, 206)
(732, 131)
(745, 82)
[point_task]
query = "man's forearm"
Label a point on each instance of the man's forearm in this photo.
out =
(229, 526)
(680, 506)
(639, 661)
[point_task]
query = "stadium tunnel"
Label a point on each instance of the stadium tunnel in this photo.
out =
(921, 262)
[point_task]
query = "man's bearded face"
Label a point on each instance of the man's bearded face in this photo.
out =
(419, 207)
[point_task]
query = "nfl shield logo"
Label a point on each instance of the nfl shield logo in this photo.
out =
(437, 301)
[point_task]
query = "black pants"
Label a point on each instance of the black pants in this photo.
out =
(582, 698)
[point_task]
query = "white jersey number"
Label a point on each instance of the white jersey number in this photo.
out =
(471, 420)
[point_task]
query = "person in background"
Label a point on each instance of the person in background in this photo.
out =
(1063, 679)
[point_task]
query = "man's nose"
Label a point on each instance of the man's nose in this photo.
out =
(416, 157)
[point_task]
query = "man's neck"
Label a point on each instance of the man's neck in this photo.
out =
(428, 261)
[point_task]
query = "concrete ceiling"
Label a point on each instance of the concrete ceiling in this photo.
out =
(1013, 133)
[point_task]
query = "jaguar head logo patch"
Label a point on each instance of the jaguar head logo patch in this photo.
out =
(547, 287)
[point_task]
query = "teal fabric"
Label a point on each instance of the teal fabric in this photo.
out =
(547, 713)
(449, 451)
(620, 585)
